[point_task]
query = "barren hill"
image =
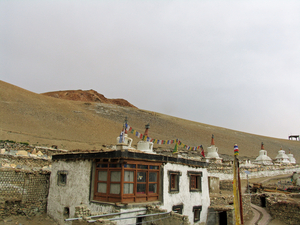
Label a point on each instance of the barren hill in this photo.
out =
(87, 96)
(38, 119)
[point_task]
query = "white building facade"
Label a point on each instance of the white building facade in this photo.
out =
(127, 181)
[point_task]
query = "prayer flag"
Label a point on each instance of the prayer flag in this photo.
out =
(236, 150)
(176, 148)
(202, 151)
(121, 139)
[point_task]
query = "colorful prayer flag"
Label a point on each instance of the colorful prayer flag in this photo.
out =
(202, 151)
(175, 148)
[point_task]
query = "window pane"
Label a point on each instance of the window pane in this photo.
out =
(101, 188)
(128, 176)
(153, 167)
(128, 189)
(102, 175)
(114, 165)
(152, 188)
(115, 176)
(129, 165)
(141, 189)
(115, 188)
(174, 181)
(141, 177)
(152, 177)
(102, 165)
(142, 166)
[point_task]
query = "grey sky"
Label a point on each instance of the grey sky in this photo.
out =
(232, 64)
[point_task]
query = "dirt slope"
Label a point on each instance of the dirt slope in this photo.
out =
(39, 119)
(87, 96)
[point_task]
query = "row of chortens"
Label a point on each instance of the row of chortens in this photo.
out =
(212, 155)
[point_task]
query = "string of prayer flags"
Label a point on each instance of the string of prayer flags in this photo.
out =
(160, 142)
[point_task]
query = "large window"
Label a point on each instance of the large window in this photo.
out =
(130, 181)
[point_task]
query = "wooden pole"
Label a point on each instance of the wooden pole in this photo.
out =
(235, 187)
(240, 194)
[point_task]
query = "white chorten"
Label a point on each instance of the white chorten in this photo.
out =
(146, 146)
(263, 158)
(212, 153)
(291, 158)
(126, 140)
(123, 141)
(282, 157)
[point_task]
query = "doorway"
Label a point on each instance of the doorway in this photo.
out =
(223, 218)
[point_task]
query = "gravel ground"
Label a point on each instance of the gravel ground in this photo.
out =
(42, 219)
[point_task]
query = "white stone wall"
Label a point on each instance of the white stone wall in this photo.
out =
(184, 196)
(258, 174)
(74, 193)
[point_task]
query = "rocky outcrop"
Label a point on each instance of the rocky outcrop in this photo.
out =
(87, 96)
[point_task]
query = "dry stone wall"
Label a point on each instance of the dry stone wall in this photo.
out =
(23, 192)
(281, 206)
(224, 201)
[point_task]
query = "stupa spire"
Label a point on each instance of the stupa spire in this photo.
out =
(212, 140)
(147, 128)
(262, 146)
(125, 124)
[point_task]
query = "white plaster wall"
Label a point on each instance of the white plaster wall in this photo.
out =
(185, 197)
(74, 193)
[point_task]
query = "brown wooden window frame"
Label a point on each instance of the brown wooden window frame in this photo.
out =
(177, 208)
(142, 174)
(62, 177)
(195, 181)
(174, 177)
(197, 212)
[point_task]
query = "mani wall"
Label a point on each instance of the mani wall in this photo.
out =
(23, 192)
(224, 171)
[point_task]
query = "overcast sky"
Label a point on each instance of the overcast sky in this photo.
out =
(233, 64)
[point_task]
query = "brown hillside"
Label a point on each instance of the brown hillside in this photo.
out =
(87, 96)
(39, 119)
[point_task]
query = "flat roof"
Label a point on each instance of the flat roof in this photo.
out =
(125, 154)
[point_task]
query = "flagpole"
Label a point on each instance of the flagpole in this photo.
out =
(235, 186)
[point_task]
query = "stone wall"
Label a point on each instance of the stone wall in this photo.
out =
(226, 185)
(280, 206)
(23, 192)
(23, 162)
(227, 200)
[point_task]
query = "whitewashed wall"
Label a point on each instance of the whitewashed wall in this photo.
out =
(258, 174)
(76, 191)
(184, 196)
